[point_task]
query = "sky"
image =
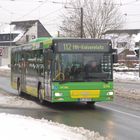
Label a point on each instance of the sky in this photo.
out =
(46, 11)
(131, 13)
(50, 13)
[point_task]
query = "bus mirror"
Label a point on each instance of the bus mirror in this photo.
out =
(137, 53)
(115, 56)
(9, 65)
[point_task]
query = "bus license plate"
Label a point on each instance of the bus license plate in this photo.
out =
(85, 99)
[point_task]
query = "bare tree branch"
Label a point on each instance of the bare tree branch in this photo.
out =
(99, 16)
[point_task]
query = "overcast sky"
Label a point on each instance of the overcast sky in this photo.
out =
(50, 13)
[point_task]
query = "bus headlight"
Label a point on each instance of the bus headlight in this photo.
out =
(110, 93)
(57, 94)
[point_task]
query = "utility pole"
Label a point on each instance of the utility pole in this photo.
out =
(81, 22)
(81, 19)
(58, 34)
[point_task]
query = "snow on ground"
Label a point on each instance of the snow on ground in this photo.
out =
(5, 67)
(15, 127)
(16, 101)
(21, 127)
(126, 76)
(4, 70)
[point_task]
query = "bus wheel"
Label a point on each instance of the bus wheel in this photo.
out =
(91, 103)
(19, 89)
(40, 96)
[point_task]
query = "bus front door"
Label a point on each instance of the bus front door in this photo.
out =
(23, 76)
(48, 80)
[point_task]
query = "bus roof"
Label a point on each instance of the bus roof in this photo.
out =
(41, 39)
(81, 40)
(59, 43)
(45, 39)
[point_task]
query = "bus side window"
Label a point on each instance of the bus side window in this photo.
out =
(40, 61)
(48, 58)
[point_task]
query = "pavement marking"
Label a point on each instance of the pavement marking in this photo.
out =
(129, 114)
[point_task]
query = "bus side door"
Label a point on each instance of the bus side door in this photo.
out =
(23, 73)
(48, 63)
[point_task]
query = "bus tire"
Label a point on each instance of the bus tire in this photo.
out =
(91, 103)
(19, 88)
(40, 95)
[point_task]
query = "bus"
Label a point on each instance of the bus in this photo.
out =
(64, 69)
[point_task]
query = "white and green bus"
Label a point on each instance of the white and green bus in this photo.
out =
(64, 70)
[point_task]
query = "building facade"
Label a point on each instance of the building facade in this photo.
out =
(27, 30)
(6, 43)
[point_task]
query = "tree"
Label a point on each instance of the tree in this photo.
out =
(99, 16)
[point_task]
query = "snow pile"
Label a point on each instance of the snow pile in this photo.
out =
(137, 37)
(5, 67)
(16, 101)
(17, 127)
(5, 70)
(132, 94)
(125, 76)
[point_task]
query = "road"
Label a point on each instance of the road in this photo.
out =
(127, 85)
(115, 120)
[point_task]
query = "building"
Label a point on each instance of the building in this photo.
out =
(128, 57)
(127, 42)
(30, 29)
(6, 42)
(126, 38)
(25, 31)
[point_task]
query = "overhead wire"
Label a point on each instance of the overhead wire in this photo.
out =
(50, 13)
(33, 10)
(126, 14)
(22, 1)
(122, 4)
(132, 2)
(50, 22)
(6, 10)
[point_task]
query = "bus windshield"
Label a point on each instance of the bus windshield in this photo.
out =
(82, 67)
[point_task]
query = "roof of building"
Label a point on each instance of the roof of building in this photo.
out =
(25, 25)
(129, 31)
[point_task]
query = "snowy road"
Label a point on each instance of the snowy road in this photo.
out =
(115, 120)
(128, 89)
(128, 85)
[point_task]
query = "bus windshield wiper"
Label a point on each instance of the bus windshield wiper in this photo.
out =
(105, 80)
(66, 81)
(63, 81)
(90, 78)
